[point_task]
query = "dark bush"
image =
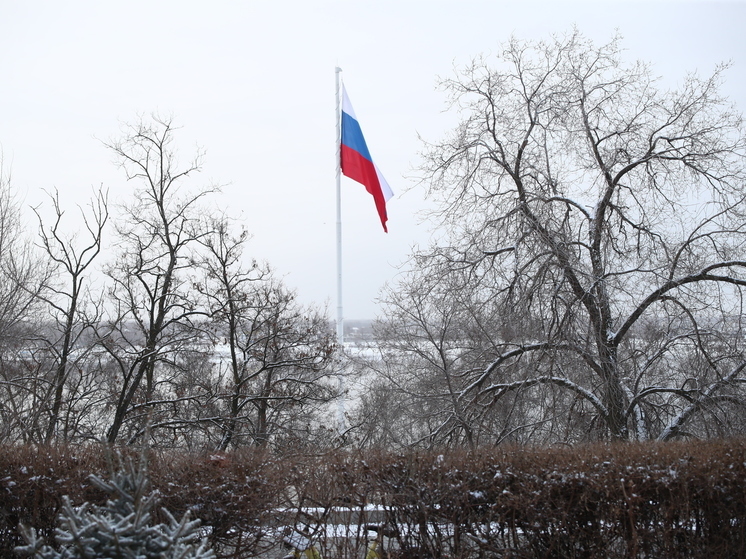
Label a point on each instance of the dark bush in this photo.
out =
(684, 499)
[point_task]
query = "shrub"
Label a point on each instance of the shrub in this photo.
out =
(123, 528)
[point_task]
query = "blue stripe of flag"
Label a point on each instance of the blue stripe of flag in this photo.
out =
(352, 136)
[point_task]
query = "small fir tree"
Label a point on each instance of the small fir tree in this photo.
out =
(121, 529)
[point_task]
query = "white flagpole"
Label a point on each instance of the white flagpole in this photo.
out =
(340, 316)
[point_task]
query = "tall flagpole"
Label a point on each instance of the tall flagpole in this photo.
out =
(340, 316)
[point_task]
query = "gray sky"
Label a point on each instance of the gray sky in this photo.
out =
(253, 83)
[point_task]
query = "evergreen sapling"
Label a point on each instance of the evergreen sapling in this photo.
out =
(121, 529)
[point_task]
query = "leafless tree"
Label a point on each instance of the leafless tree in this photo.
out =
(24, 274)
(65, 298)
(423, 354)
(601, 220)
(277, 352)
(226, 284)
(151, 291)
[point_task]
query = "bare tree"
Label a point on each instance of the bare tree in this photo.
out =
(278, 353)
(66, 301)
(602, 218)
(154, 305)
(23, 273)
(23, 276)
(226, 285)
(287, 352)
(423, 354)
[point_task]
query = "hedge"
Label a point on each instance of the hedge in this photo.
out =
(679, 499)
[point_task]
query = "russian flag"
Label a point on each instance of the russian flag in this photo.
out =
(357, 163)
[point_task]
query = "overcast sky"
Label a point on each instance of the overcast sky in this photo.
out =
(252, 82)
